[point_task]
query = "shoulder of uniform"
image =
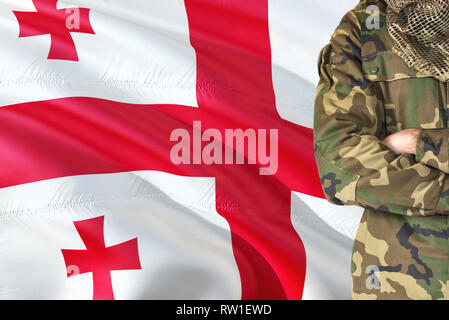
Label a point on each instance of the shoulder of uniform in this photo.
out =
(372, 21)
(357, 18)
(363, 5)
(368, 10)
(365, 11)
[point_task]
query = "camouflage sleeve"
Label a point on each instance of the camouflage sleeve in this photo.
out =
(432, 148)
(355, 167)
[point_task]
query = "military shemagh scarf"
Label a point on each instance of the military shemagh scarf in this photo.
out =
(420, 30)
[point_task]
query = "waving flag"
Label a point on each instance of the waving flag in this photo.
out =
(122, 174)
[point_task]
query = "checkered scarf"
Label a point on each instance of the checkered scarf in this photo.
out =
(420, 30)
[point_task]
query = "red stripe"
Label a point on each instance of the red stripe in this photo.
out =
(72, 136)
(232, 45)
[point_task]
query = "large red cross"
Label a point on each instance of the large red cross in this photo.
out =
(74, 136)
(99, 259)
(50, 20)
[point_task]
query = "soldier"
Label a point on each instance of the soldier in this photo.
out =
(381, 142)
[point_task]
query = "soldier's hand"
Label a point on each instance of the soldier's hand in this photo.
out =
(403, 141)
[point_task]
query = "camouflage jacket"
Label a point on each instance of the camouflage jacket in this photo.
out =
(366, 92)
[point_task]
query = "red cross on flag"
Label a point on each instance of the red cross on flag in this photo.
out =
(163, 149)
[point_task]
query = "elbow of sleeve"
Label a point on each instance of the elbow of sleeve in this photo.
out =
(339, 185)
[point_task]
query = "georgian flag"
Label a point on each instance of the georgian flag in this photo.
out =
(91, 204)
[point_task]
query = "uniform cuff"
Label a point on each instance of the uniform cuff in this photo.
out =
(432, 148)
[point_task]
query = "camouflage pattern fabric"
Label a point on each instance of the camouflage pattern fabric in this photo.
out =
(366, 92)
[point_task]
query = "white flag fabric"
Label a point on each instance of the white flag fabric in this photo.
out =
(184, 247)
(140, 53)
(91, 205)
(298, 31)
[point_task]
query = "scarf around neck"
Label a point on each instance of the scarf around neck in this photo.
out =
(420, 31)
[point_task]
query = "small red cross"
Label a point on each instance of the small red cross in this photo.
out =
(98, 258)
(59, 23)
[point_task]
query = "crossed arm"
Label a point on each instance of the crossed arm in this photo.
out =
(358, 164)
(430, 146)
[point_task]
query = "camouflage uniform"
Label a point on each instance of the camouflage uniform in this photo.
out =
(365, 93)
